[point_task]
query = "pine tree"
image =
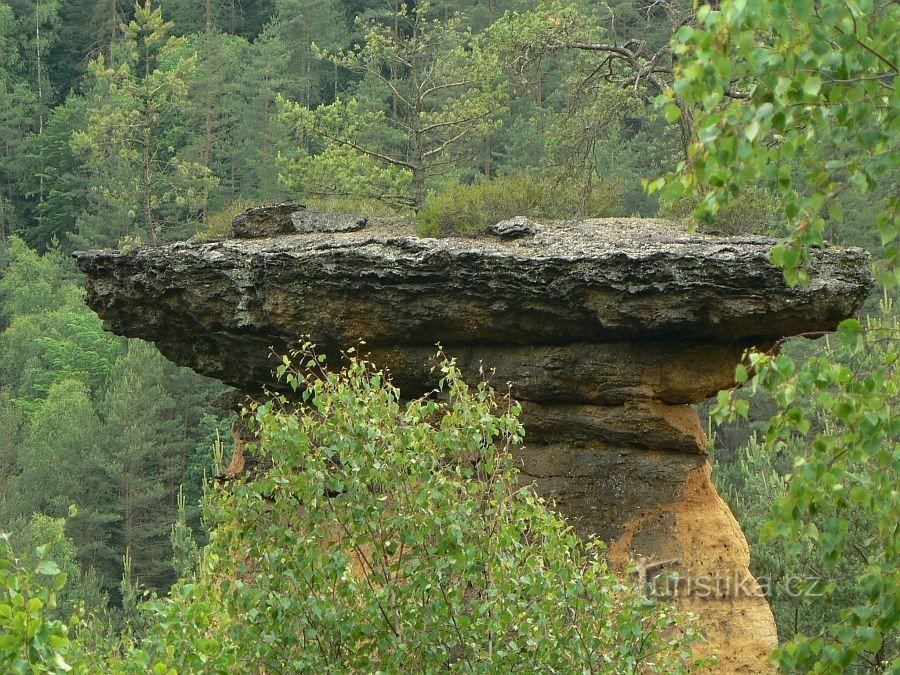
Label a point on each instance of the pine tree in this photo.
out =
(134, 133)
(61, 454)
(18, 105)
(426, 85)
(214, 113)
(151, 426)
(66, 195)
(140, 432)
(307, 26)
(185, 552)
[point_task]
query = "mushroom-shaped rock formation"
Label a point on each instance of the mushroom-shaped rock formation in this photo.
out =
(606, 330)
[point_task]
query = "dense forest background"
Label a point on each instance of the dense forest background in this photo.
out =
(124, 124)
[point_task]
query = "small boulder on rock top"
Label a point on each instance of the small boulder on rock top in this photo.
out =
(513, 228)
(310, 220)
(290, 218)
(265, 221)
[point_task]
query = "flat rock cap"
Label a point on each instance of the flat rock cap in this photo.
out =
(208, 303)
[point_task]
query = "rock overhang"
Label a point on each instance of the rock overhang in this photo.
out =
(594, 281)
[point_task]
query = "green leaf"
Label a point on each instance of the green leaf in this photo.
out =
(48, 567)
(812, 85)
(850, 332)
(887, 228)
(672, 113)
(836, 211)
(60, 663)
(751, 131)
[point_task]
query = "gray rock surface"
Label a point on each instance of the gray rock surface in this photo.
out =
(265, 221)
(311, 220)
(513, 228)
(218, 306)
(289, 218)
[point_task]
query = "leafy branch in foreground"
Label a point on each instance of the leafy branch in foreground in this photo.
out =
(821, 116)
(820, 119)
(838, 503)
(394, 536)
(30, 639)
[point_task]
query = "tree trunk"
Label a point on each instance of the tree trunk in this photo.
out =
(4, 225)
(40, 92)
(147, 174)
(395, 103)
(266, 182)
(147, 182)
(208, 112)
(418, 186)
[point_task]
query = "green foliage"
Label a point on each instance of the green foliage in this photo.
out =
(62, 435)
(567, 128)
(372, 208)
(819, 115)
(394, 537)
(31, 641)
(148, 446)
(38, 350)
(131, 136)
(218, 224)
(339, 169)
(838, 502)
(185, 554)
(591, 84)
(51, 335)
(54, 172)
(426, 84)
(467, 209)
(306, 27)
(41, 532)
(92, 424)
(804, 594)
(12, 424)
(30, 283)
(606, 136)
(754, 211)
(24, 93)
(815, 113)
(239, 17)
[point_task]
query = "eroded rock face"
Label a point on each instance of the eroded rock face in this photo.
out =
(606, 330)
(212, 305)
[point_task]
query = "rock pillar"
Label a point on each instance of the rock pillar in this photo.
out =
(614, 445)
(606, 330)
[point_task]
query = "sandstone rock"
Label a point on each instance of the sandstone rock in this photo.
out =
(600, 373)
(601, 487)
(662, 515)
(605, 329)
(594, 282)
(637, 424)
